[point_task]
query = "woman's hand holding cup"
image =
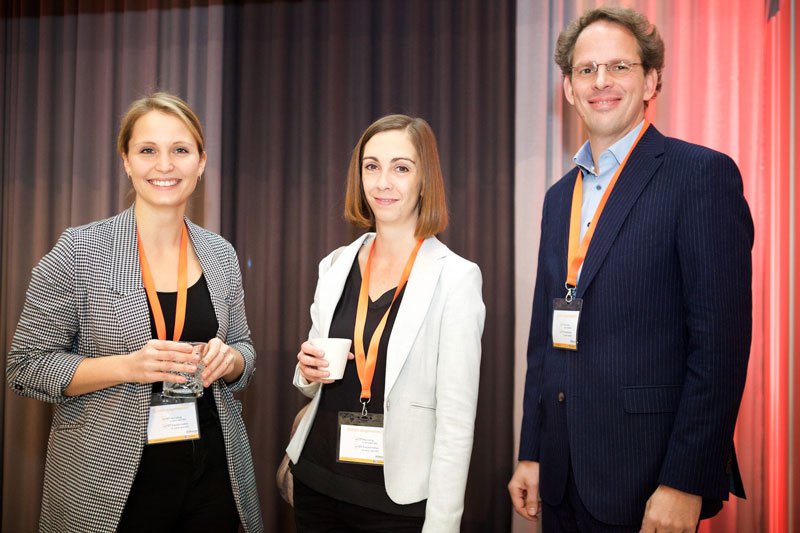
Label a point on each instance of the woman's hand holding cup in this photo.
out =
(323, 360)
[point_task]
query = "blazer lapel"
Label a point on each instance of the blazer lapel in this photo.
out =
(642, 165)
(562, 206)
(130, 299)
(414, 307)
(332, 283)
(214, 274)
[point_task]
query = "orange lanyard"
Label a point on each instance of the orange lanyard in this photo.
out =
(576, 253)
(365, 364)
(150, 288)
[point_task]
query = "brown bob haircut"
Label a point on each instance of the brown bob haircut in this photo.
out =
(432, 207)
(651, 46)
(163, 102)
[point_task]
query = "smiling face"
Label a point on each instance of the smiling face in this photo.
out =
(609, 106)
(163, 160)
(390, 179)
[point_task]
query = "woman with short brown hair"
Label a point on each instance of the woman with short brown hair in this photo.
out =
(414, 313)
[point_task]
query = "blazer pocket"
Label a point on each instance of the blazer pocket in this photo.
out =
(422, 406)
(67, 427)
(649, 399)
(70, 414)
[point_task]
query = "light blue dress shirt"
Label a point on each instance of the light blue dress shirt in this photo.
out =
(596, 181)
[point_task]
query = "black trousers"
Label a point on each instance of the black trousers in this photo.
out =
(570, 515)
(183, 486)
(317, 513)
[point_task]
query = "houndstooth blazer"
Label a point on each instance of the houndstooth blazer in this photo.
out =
(86, 299)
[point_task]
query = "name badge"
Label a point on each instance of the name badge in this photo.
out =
(172, 420)
(360, 438)
(565, 322)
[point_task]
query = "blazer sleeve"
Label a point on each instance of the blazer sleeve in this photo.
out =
(715, 237)
(538, 338)
(42, 363)
(457, 380)
(238, 330)
(310, 389)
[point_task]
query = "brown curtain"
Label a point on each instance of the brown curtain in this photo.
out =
(67, 76)
(284, 90)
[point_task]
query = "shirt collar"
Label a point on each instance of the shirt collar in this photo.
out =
(618, 150)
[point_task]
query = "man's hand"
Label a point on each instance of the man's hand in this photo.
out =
(671, 511)
(524, 490)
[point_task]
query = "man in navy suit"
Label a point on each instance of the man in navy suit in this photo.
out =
(641, 324)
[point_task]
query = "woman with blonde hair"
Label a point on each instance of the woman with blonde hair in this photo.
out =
(106, 320)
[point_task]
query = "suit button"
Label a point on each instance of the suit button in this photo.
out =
(561, 397)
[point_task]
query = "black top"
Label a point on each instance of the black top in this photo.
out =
(176, 469)
(317, 467)
(200, 325)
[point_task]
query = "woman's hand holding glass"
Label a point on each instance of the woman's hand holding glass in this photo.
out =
(159, 360)
(222, 361)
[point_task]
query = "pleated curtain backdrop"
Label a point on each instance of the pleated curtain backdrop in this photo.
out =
(284, 88)
(324, 71)
(67, 75)
(311, 77)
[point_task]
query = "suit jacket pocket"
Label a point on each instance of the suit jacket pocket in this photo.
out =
(651, 399)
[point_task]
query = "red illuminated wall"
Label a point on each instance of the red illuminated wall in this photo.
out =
(729, 84)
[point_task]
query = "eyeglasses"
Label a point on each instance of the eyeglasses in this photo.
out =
(620, 69)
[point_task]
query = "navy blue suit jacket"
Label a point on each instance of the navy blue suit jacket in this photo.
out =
(652, 393)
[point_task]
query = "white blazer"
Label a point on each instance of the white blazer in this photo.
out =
(432, 373)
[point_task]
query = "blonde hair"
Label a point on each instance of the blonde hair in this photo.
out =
(162, 102)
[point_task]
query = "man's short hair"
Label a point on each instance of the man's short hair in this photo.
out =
(651, 46)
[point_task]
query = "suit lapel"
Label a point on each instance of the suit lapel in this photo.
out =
(562, 220)
(414, 307)
(130, 299)
(642, 165)
(332, 283)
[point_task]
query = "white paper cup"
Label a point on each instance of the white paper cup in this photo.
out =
(336, 351)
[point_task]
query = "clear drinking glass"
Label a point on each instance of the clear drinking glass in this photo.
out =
(193, 388)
